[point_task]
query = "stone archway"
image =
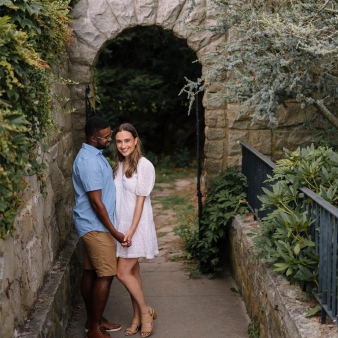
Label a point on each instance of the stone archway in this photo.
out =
(96, 23)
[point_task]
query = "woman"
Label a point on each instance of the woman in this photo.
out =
(134, 180)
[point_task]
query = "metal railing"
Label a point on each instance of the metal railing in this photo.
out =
(256, 167)
(324, 229)
(325, 234)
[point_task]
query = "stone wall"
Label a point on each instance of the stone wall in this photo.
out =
(271, 301)
(290, 133)
(44, 225)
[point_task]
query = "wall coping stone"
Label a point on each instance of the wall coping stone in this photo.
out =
(288, 302)
(55, 303)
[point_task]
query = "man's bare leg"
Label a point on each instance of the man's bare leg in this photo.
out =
(87, 282)
(100, 293)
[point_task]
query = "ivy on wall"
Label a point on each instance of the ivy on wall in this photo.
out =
(32, 41)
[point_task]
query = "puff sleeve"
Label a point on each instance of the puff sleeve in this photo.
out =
(145, 177)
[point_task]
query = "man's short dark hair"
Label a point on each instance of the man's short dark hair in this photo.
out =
(94, 125)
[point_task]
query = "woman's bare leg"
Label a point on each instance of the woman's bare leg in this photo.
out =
(136, 273)
(136, 309)
(128, 272)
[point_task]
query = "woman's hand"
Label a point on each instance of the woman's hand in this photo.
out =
(121, 239)
(128, 236)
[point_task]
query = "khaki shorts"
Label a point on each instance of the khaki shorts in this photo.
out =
(99, 253)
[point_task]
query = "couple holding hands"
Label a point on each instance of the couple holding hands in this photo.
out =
(114, 218)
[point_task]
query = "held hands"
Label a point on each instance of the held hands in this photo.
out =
(122, 239)
(126, 244)
(128, 236)
(125, 240)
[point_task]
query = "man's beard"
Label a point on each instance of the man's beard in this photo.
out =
(102, 146)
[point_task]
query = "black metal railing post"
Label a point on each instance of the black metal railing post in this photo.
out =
(199, 168)
(256, 167)
(199, 171)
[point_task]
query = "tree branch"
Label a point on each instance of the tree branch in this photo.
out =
(326, 113)
(327, 1)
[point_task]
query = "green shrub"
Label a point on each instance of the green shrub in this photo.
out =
(225, 200)
(283, 238)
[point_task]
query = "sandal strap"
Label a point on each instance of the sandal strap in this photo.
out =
(132, 330)
(147, 319)
(147, 329)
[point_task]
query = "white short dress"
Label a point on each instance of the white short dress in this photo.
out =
(144, 240)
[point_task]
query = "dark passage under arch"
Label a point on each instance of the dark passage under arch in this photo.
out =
(138, 79)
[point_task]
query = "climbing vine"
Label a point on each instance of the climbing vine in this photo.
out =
(32, 42)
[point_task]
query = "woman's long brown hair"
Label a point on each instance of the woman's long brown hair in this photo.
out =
(134, 156)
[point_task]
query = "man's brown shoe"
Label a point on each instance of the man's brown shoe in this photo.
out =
(99, 332)
(109, 327)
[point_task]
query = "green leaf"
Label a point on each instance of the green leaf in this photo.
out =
(289, 271)
(313, 311)
(279, 267)
(296, 249)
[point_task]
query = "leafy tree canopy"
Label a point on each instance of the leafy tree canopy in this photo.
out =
(278, 51)
(138, 78)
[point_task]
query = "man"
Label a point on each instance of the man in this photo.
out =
(95, 197)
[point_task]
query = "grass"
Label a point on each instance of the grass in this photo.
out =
(168, 175)
(253, 330)
(158, 187)
(171, 201)
(174, 258)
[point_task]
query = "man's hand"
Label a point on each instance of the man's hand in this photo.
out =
(119, 237)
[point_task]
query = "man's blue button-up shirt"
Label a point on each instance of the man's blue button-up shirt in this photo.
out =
(91, 171)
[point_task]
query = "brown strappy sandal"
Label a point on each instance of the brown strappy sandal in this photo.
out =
(147, 330)
(130, 330)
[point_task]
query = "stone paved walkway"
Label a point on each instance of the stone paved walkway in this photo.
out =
(186, 307)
